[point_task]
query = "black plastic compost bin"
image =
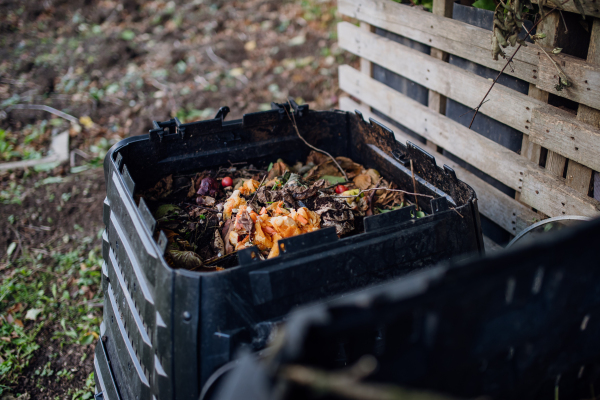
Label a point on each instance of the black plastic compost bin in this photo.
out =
(165, 330)
(520, 324)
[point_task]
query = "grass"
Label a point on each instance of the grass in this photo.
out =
(59, 291)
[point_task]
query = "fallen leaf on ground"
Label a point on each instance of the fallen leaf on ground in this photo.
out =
(33, 313)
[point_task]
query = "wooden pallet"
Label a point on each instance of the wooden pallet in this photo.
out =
(572, 140)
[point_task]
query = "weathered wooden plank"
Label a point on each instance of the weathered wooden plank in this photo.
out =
(497, 206)
(455, 37)
(365, 65)
(550, 26)
(583, 76)
(555, 163)
(529, 150)
(551, 195)
(504, 105)
(484, 154)
(590, 7)
(437, 101)
(561, 132)
(579, 176)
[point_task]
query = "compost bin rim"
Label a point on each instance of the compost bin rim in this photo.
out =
(114, 151)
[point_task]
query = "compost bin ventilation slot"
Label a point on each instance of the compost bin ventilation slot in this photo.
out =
(129, 183)
(147, 216)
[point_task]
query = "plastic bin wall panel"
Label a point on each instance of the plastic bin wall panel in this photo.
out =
(521, 324)
(165, 331)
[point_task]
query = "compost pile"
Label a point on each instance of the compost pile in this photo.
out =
(210, 215)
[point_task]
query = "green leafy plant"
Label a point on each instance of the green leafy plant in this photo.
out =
(427, 4)
(7, 144)
(485, 4)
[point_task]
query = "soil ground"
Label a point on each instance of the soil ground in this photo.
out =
(115, 67)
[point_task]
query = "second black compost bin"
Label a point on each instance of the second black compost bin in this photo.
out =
(166, 331)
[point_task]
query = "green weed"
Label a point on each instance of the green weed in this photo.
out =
(59, 291)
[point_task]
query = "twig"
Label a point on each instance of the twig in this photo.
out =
(20, 248)
(167, 89)
(563, 20)
(389, 190)
(456, 211)
(562, 75)
(37, 228)
(205, 208)
(40, 107)
(259, 185)
(370, 210)
(215, 259)
(79, 153)
(412, 171)
(90, 304)
(293, 119)
(237, 163)
(216, 58)
(347, 383)
(468, 111)
(508, 62)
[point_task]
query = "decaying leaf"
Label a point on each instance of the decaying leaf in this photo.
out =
(218, 244)
(192, 190)
(278, 169)
(33, 313)
(352, 169)
(185, 259)
(162, 189)
(363, 181)
(205, 232)
(205, 201)
(166, 210)
(333, 180)
(316, 158)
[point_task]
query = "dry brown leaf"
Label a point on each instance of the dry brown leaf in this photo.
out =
(162, 188)
(278, 169)
(192, 191)
(363, 181)
(316, 158)
(352, 169)
(186, 259)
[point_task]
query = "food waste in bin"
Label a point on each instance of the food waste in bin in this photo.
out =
(210, 215)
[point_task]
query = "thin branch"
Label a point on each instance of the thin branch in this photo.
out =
(215, 58)
(259, 185)
(204, 208)
(563, 20)
(371, 196)
(348, 383)
(456, 211)
(40, 107)
(20, 248)
(386, 189)
(472, 109)
(293, 119)
(508, 62)
(562, 75)
(412, 171)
